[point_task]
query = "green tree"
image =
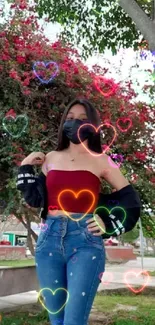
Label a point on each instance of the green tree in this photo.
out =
(103, 24)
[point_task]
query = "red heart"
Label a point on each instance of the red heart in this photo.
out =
(97, 129)
(124, 119)
(110, 83)
(53, 207)
(136, 274)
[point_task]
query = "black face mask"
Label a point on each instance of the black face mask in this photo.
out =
(70, 128)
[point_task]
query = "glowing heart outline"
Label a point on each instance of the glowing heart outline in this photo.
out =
(45, 66)
(42, 226)
(109, 211)
(101, 78)
(96, 129)
(15, 119)
(102, 274)
(76, 195)
(136, 274)
(53, 206)
(124, 119)
(111, 162)
(53, 292)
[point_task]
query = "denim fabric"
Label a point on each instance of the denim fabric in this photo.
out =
(69, 257)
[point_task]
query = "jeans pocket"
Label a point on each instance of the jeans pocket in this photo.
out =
(42, 238)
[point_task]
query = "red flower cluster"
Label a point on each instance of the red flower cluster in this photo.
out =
(140, 155)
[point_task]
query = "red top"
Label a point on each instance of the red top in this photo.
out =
(72, 191)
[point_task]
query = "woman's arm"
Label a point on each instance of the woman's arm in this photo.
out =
(117, 221)
(112, 174)
(31, 186)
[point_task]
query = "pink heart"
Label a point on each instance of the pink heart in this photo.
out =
(124, 120)
(146, 280)
(104, 275)
(74, 259)
(43, 226)
(113, 155)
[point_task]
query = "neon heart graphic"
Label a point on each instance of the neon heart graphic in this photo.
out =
(124, 120)
(43, 226)
(74, 259)
(113, 155)
(76, 196)
(120, 224)
(106, 275)
(49, 167)
(11, 128)
(97, 129)
(53, 293)
(53, 207)
(113, 202)
(45, 66)
(114, 87)
(126, 279)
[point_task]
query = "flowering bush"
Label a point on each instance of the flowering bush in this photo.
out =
(31, 106)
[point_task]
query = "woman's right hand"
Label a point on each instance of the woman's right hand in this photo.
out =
(35, 158)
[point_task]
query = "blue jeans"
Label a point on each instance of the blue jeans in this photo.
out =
(69, 260)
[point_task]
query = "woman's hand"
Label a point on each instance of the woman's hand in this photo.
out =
(35, 158)
(93, 226)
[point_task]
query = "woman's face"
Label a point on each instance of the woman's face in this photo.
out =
(77, 112)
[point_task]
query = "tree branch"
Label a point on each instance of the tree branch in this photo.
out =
(143, 23)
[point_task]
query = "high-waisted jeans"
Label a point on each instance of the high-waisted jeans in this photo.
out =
(69, 260)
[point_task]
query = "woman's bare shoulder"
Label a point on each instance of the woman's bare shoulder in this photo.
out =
(51, 154)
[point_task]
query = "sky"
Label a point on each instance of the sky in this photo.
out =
(128, 56)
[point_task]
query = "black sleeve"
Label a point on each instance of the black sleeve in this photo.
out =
(32, 187)
(121, 217)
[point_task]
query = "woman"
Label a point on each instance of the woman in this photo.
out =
(70, 254)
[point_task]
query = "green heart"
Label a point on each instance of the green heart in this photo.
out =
(102, 207)
(11, 125)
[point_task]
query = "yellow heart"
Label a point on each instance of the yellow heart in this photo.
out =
(102, 207)
(53, 293)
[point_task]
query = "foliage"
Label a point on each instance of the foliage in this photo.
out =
(130, 236)
(40, 106)
(102, 24)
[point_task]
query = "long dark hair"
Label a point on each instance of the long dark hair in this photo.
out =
(94, 141)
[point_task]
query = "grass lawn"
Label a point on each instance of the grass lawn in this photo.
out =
(143, 315)
(106, 304)
(17, 263)
(151, 273)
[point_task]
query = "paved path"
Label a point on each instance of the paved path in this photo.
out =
(112, 280)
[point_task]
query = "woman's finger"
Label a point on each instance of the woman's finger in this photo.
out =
(93, 229)
(93, 224)
(90, 220)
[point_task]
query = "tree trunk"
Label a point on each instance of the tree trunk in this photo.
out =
(143, 23)
(29, 238)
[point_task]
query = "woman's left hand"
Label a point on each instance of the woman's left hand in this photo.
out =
(93, 226)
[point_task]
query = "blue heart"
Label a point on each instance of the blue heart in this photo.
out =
(46, 65)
